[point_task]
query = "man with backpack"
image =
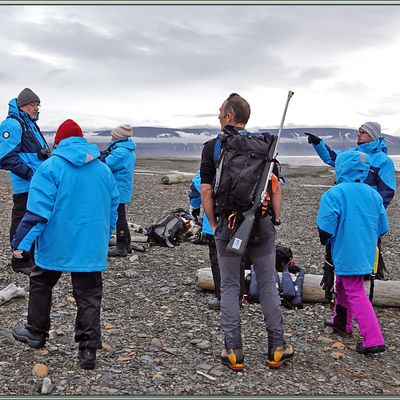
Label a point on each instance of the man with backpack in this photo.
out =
(234, 114)
(22, 149)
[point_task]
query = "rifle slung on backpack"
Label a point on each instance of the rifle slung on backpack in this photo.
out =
(241, 237)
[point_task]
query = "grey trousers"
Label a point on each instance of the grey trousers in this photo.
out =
(261, 250)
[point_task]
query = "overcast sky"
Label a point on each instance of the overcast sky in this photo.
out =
(174, 65)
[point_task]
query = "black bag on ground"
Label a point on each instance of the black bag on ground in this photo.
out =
(169, 230)
(238, 169)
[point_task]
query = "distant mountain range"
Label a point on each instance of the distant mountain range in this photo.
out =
(188, 142)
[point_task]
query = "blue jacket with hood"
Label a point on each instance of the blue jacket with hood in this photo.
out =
(381, 176)
(71, 210)
(195, 202)
(122, 161)
(20, 141)
(353, 213)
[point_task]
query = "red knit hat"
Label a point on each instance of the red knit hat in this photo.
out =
(67, 129)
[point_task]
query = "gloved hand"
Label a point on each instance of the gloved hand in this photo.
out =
(313, 139)
(21, 254)
(195, 212)
(328, 280)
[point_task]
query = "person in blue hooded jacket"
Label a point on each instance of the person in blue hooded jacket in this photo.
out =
(22, 149)
(381, 176)
(120, 156)
(71, 212)
(351, 217)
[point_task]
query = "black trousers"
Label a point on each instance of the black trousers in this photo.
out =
(87, 290)
(212, 251)
(18, 211)
(123, 234)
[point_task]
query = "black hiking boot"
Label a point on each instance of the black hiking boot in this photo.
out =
(279, 355)
(33, 340)
(118, 251)
(136, 247)
(369, 350)
(233, 358)
(214, 303)
(87, 358)
(336, 329)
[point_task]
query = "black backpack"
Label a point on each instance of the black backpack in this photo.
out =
(238, 170)
(169, 230)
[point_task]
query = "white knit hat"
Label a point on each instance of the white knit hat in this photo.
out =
(122, 131)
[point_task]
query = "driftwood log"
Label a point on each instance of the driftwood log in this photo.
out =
(10, 292)
(170, 179)
(386, 293)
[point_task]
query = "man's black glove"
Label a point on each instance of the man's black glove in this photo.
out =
(328, 280)
(195, 213)
(313, 139)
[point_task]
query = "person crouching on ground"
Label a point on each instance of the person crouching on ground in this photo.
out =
(71, 212)
(352, 217)
(120, 156)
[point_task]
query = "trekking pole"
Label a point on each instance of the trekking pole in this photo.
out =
(241, 237)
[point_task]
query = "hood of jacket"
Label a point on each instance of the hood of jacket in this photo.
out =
(125, 143)
(374, 146)
(352, 166)
(77, 151)
(13, 109)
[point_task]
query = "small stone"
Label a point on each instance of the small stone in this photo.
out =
(52, 334)
(107, 326)
(70, 299)
(157, 376)
(337, 355)
(339, 346)
(41, 352)
(134, 258)
(325, 340)
(205, 344)
(156, 343)
(185, 294)
(195, 341)
(130, 273)
(171, 350)
(142, 335)
(106, 346)
(40, 370)
(47, 386)
(178, 264)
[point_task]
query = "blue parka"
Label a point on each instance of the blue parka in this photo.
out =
(353, 213)
(20, 141)
(381, 176)
(195, 202)
(122, 161)
(71, 210)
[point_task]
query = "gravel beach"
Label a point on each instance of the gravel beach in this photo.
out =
(159, 337)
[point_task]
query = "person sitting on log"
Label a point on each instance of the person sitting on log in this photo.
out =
(351, 218)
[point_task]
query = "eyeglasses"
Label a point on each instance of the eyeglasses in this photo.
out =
(35, 105)
(360, 131)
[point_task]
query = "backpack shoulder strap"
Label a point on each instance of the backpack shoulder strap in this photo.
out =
(217, 149)
(22, 123)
